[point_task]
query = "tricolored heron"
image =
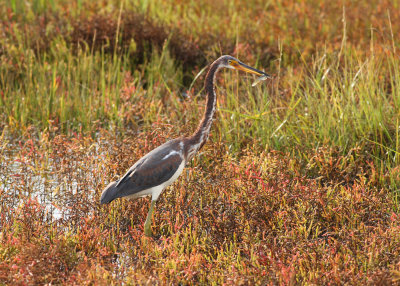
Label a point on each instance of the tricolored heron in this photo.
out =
(155, 171)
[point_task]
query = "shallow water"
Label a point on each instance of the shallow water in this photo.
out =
(55, 180)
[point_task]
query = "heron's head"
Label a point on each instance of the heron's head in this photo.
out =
(233, 63)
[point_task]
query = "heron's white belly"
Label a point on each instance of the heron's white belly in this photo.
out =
(157, 190)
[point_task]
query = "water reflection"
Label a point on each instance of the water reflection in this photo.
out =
(59, 174)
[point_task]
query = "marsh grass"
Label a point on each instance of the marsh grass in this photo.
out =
(272, 225)
(299, 182)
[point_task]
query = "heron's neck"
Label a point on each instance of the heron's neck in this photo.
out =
(199, 137)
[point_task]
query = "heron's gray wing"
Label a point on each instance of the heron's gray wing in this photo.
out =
(148, 172)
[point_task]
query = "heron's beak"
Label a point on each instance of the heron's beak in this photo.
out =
(241, 66)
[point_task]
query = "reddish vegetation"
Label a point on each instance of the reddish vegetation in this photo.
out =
(100, 32)
(314, 215)
(274, 224)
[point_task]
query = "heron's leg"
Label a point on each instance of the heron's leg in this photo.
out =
(147, 224)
